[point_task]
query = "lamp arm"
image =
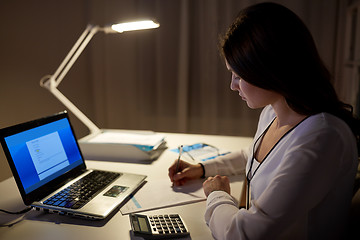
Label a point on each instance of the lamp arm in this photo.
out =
(74, 53)
(80, 115)
(51, 82)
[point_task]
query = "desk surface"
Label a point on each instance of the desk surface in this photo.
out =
(39, 225)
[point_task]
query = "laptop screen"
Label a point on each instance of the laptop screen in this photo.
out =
(43, 153)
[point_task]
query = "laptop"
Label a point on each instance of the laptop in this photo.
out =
(48, 167)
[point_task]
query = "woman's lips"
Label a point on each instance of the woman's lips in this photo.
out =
(243, 98)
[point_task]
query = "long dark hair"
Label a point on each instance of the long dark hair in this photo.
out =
(270, 47)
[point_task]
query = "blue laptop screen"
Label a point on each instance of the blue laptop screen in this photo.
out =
(43, 153)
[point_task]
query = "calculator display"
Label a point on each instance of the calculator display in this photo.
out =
(143, 224)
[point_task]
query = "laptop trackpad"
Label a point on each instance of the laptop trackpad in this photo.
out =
(115, 191)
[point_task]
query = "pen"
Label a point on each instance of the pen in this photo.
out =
(178, 161)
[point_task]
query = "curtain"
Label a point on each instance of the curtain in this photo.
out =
(347, 71)
(173, 79)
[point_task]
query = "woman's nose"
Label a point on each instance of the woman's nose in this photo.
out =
(234, 85)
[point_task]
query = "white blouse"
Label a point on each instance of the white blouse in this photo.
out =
(302, 190)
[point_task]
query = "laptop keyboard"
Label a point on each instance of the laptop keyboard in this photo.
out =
(82, 191)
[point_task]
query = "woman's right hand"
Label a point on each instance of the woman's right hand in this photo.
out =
(186, 171)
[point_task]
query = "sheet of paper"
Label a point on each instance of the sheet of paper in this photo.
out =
(200, 152)
(160, 194)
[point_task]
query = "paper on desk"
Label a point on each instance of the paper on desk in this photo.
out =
(160, 194)
(128, 138)
(201, 152)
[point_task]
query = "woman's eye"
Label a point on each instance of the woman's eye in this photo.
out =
(234, 76)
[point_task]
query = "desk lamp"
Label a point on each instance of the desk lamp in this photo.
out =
(51, 82)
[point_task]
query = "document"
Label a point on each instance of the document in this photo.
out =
(157, 194)
(201, 152)
(48, 154)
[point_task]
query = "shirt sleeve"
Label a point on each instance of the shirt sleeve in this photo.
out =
(309, 169)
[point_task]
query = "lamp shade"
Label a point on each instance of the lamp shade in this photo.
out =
(133, 26)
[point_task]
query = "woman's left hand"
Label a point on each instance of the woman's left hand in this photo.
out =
(217, 183)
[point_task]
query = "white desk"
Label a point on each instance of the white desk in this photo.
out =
(41, 226)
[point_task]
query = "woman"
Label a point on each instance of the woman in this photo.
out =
(301, 167)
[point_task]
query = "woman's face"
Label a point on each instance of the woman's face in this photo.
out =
(255, 97)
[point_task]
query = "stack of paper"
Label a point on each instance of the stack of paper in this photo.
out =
(123, 145)
(145, 142)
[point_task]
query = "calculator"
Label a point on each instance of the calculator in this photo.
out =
(158, 226)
